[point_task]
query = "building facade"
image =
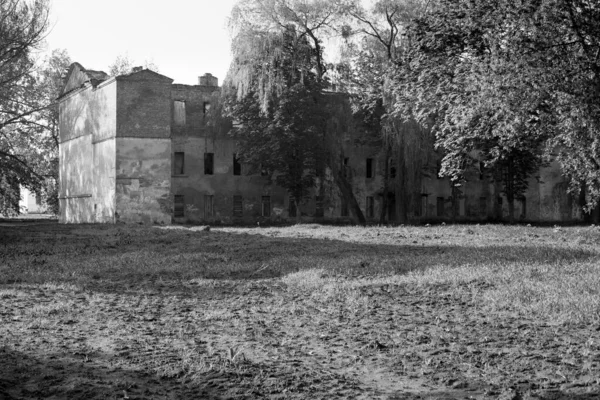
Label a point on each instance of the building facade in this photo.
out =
(139, 148)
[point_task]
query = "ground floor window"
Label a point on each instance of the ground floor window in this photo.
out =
(178, 206)
(208, 206)
(266, 206)
(238, 209)
(370, 207)
(440, 206)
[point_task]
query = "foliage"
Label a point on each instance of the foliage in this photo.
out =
(22, 120)
(507, 81)
(278, 60)
(123, 64)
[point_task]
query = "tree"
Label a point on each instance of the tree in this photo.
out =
(22, 29)
(507, 83)
(123, 64)
(276, 46)
(376, 44)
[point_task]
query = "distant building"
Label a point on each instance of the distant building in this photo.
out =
(138, 148)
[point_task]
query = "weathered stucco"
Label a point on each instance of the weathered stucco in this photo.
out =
(143, 189)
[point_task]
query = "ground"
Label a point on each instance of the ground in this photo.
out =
(440, 312)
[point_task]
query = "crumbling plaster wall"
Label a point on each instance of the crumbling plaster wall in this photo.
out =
(143, 149)
(86, 156)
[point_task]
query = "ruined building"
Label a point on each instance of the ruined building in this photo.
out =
(139, 148)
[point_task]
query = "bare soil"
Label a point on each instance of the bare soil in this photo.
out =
(186, 335)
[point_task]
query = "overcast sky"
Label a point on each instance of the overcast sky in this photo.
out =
(184, 38)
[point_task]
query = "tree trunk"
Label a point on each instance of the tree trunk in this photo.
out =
(383, 215)
(298, 212)
(402, 193)
(511, 209)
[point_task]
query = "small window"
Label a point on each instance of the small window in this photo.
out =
(370, 207)
(208, 205)
(345, 167)
(266, 206)
(178, 206)
(263, 170)
(500, 201)
(344, 211)
(237, 166)
(38, 200)
(209, 163)
(482, 206)
(205, 107)
(179, 112)
(523, 202)
(440, 206)
(481, 170)
(369, 168)
(238, 208)
(291, 206)
(319, 211)
(178, 165)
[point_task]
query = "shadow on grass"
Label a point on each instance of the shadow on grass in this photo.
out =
(132, 257)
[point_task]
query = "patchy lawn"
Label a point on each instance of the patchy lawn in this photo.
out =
(442, 312)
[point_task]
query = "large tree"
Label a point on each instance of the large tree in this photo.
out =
(22, 29)
(507, 83)
(278, 48)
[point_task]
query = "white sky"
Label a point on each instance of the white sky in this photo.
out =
(183, 38)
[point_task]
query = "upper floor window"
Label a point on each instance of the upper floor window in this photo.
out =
(178, 164)
(237, 166)
(209, 163)
(179, 112)
(370, 169)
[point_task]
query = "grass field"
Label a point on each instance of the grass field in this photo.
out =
(309, 311)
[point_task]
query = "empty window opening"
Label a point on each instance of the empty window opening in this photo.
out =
(369, 168)
(292, 206)
(205, 107)
(209, 163)
(482, 206)
(178, 206)
(237, 166)
(238, 209)
(319, 211)
(344, 211)
(266, 206)
(208, 205)
(440, 206)
(178, 165)
(179, 112)
(370, 207)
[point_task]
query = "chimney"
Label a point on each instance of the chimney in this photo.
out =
(208, 80)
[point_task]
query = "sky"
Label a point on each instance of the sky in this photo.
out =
(183, 38)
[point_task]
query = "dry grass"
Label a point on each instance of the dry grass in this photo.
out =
(191, 282)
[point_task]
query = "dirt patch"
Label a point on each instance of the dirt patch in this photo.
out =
(351, 337)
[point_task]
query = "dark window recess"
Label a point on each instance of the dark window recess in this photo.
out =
(179, 112)
(263, 171)
(344, 210)
(179, 163)
(500, 201)
(369, 168)
(292, 206)
(237, 166)
(482, 206)
(523, 201)
(440, 206)
(392, 168)
(38, 200)
(481, 170)
(238, 207)
(205, 107)
(209, 163)
(208, 205)
(319, 211)
(178, 206)
(266, 206)
(370, 207)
